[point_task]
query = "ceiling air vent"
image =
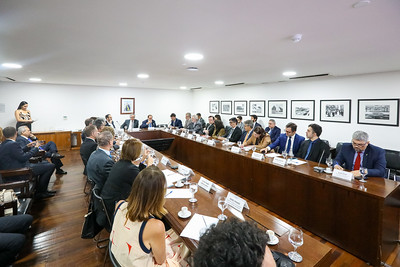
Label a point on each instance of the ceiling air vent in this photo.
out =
(6, 79)
(195, 88)
(234, 84)
(309, 76)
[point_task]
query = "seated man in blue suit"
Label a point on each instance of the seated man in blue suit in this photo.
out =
(130, 124)
(360, 153)
(254, 118)
(13, 157)
(248, 131)
(148, 123)
(234, 134)
(175, 123)
(289, 141)
(100, 162)
(273, 130)
(314, 148)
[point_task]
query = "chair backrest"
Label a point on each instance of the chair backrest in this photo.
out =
(392, 159)
(99, 204)
(113, 259)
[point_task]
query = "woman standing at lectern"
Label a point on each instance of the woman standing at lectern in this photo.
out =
(23, 116)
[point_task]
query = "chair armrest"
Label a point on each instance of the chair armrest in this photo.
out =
(16, 172)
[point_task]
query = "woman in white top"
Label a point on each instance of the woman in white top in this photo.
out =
(138, 238)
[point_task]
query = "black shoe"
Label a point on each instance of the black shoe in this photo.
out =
(51, 192)
(57, 156)
(44, 195)
(61, 171)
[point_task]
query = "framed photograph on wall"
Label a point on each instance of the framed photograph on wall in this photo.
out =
(335, 110)
(378, 112)
(226, 107)
(240, 107)
(257, 107)
(277, 109)
(214, 107)
(127, 105)
(302, 110)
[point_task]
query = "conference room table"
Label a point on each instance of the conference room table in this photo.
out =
(362, 219)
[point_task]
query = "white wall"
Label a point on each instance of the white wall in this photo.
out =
(48, 104)
(382, 85)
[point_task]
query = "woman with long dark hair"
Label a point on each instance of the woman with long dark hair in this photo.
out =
(23, 116)
(219, 129)
(259, 139)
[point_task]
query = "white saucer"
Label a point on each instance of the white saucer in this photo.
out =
(274, 241)
(329, 172)
(184, 216)
(182, 185)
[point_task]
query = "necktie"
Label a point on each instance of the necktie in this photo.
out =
(247, 135)
(357, 163)
(289, 145)
(309, 150)
(29, 140)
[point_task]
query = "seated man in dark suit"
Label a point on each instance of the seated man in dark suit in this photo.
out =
(210, 127)
(130, 124)
(273, 130)
(89, 145)
(360, 153)
(196, 125)
(289, 141)
(109, 121)
(254, 119)
(248, 131)
(13, 157)
(88, 121)
(188, 121)
(314, 149)
(234, 134)
(148, 123)
(25, 139)
(100, 162)
(201, 120)
(175, 123)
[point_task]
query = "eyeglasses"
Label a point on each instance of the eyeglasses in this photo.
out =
(357, 144)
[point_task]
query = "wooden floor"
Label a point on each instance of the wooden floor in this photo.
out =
(55, 240)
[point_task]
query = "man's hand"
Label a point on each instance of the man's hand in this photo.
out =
(338, 167)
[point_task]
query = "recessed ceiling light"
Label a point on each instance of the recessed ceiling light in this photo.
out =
(192, 69)
(143, 76)
(361, 3)
(219, 82)
(183, 87)
(296, 38)
(123, 84)
(35, 79)
(289, 73)
(11, 65)
(194, 56)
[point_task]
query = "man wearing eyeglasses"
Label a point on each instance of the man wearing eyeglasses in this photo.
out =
(360, 153)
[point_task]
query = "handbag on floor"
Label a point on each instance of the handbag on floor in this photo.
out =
(90, 226)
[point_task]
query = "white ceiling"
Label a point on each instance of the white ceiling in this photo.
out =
(103, 42)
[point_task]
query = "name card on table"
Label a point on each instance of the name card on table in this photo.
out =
(190, 136)
(235, 149)
(236, 202)
(257, 155)
(135, 129)
(174, 131)
(211, 142)
(183, 134)
(199, 139)
(348, 176)
(205, 184)
(279, 161)
(165, 161)
(185, 171)
(151, 128)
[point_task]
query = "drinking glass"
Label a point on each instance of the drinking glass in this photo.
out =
(363, 172)
(296, 239)
(193, 190)
(329, 162)
(222, 204)
(284, 155)
(239, 143)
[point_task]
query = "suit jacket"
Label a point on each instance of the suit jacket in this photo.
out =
(87, 148)
(281, 142)
(127, 122)
(220, 133)
(276, 131)
(98, 167)
(374, 159)
(119, 183)
(237, 133)
(112, 124)
(316, 150)
(13, 157)
(144, 125)
(197, 128)
(210, 128)
(187, 123)
(244, 136)
(178, 123)
(23, 142)
(256, 124)
(202, 122)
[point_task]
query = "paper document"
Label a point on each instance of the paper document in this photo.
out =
(198, 225)
(178, 193)
(296, 162)
(172, 177)
(272, 155)
(229, 143)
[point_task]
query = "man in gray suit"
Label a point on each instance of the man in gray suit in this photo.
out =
(100, 162)
(197, 128)
(130, 124)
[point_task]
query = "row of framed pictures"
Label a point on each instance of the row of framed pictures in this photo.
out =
(370, 111)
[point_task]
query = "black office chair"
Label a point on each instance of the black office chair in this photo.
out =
(337, 150)
(102, 217)
(113, 259)
(392, 164)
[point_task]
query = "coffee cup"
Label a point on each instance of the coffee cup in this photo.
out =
(179, 183)
(184, 210)
(270, 234)
(328, 169)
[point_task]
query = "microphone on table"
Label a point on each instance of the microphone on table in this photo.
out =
(318, 168)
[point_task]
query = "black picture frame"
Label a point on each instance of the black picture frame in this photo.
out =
(214, 106)
(335, 110)
(302, 110)
(257, 107)
(240, 107)
(273, 105)
(226, 107)
(382, 112)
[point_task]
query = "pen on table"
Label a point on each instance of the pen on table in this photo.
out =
(168, 193)
(204, 221)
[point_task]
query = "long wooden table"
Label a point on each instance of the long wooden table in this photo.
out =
(361, 220)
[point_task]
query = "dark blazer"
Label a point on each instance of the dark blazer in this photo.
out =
(197, 128)
(276, 131)
(87, 148)
(177, 124)
(237, 133)
(119, 183)
(98, 167)
(316, 150)
(13, 157)
(281, 142)
(374, 159)
(112, 124)
(127, 122)
(256, 124)
(23, 142)
(144, 125)
(244, 136)
(210, 128)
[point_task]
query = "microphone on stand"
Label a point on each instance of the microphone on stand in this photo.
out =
(318, 168)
